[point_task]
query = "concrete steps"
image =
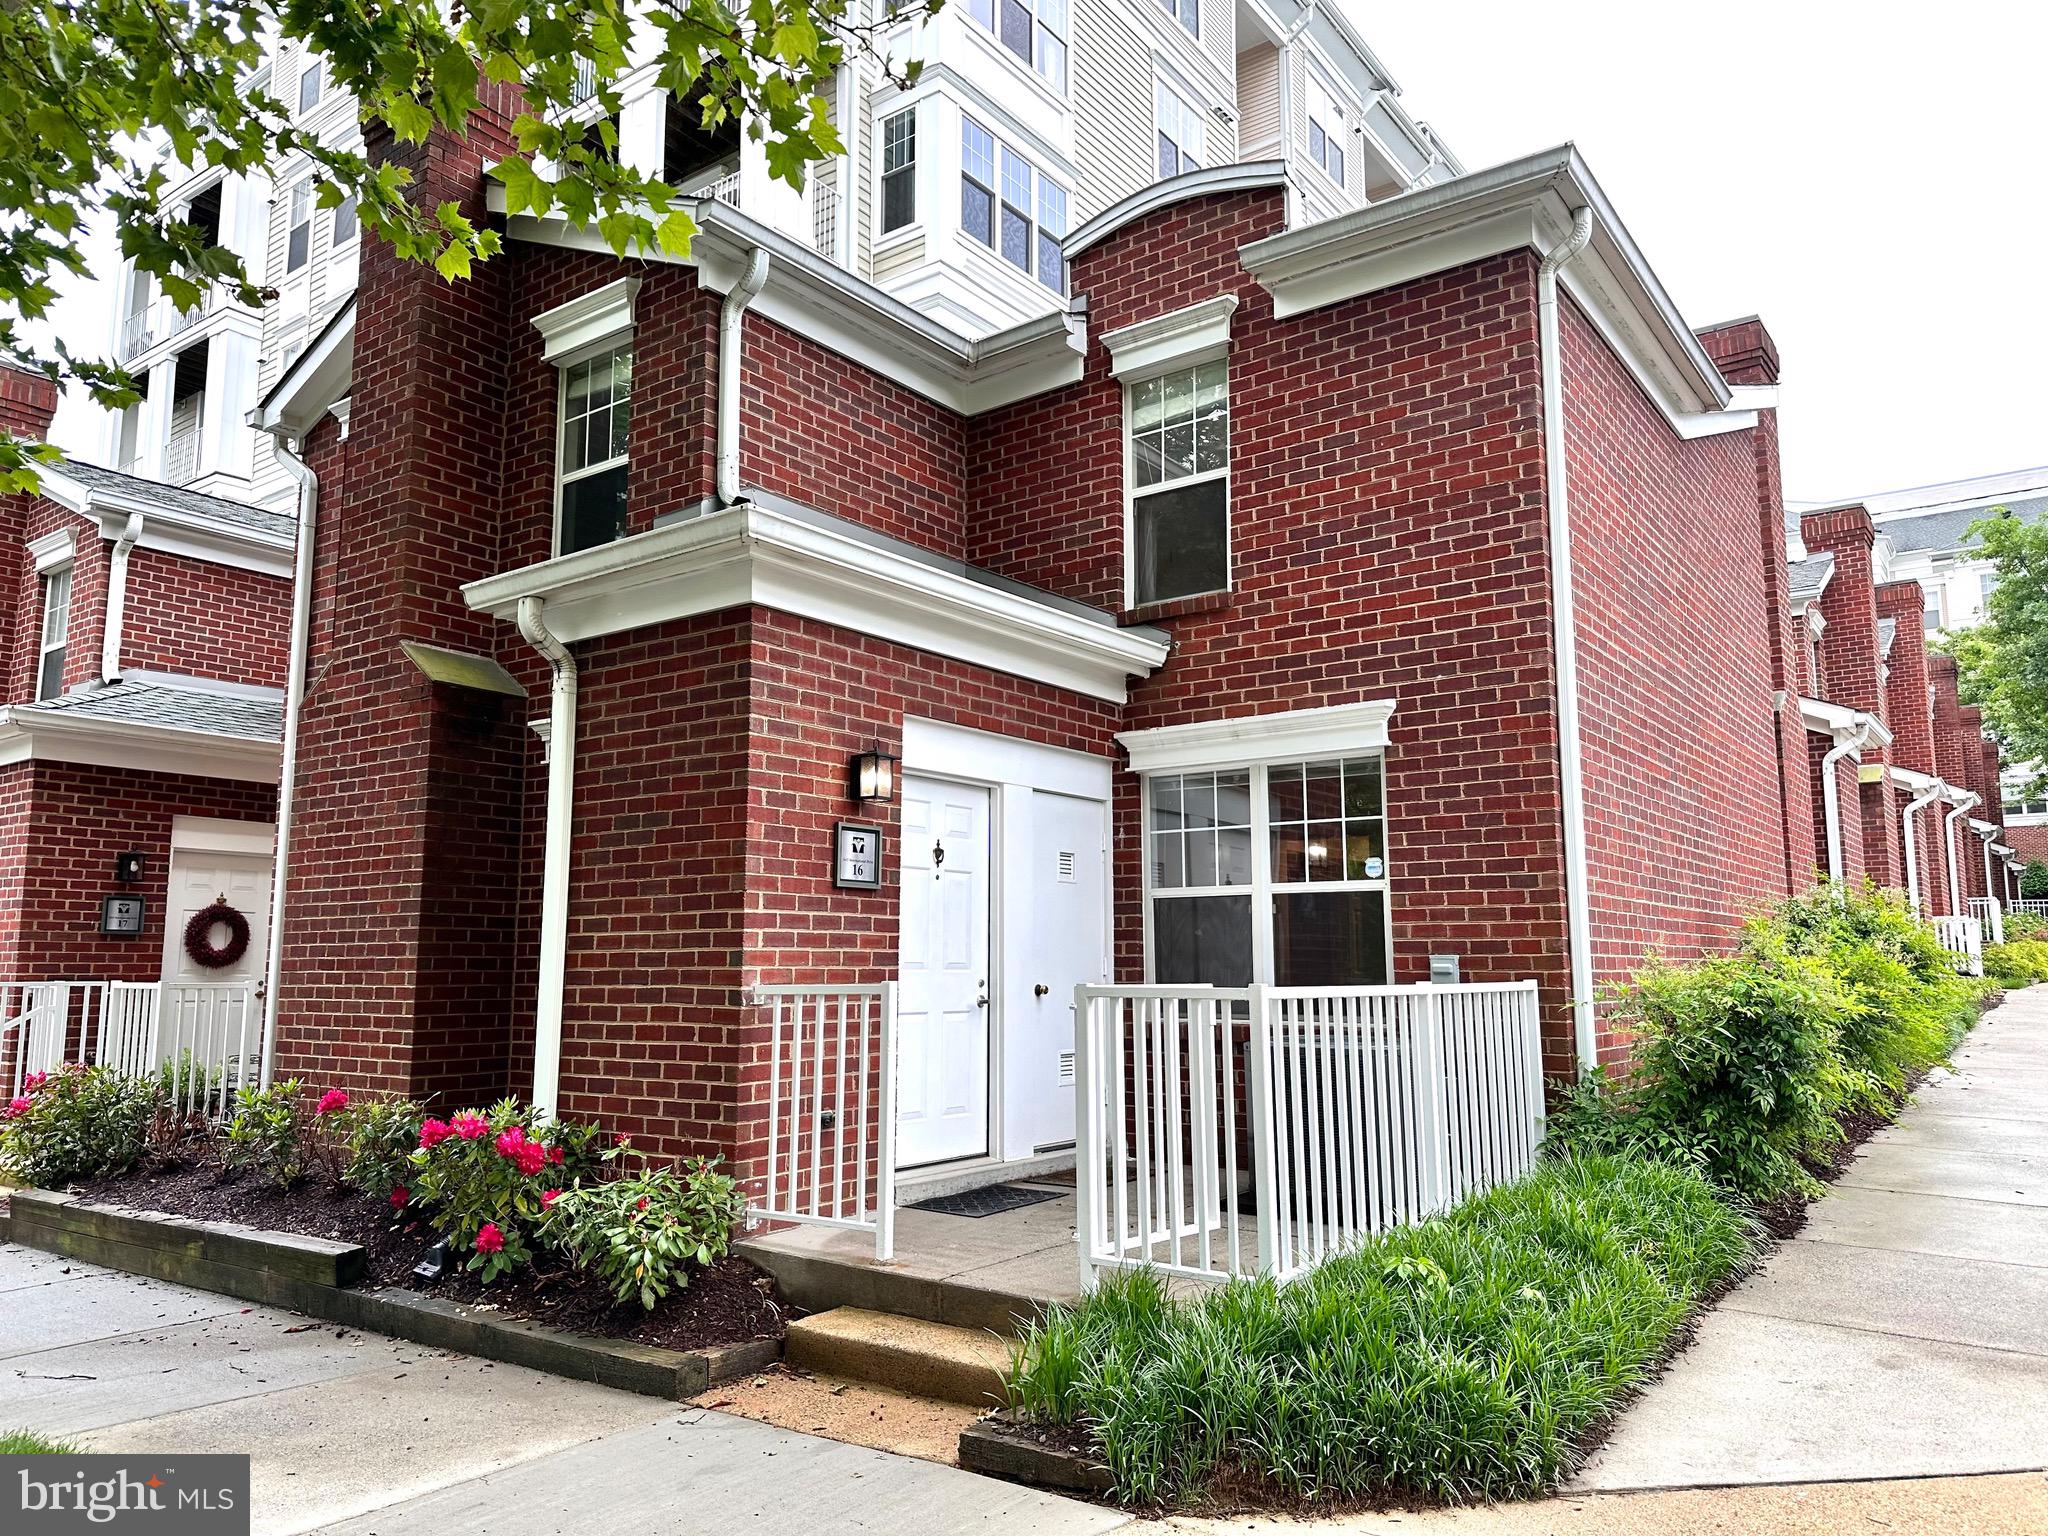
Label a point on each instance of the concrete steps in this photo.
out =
(820, 1282)
(911, 1355)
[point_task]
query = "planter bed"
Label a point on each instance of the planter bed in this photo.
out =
(339, 1256)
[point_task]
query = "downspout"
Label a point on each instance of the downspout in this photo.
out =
(294, 699)
(1934, 793)
(1958, 906)
(1578, 916)
(117, 600)
(554, 882)
(730, 345)
(1831, 794)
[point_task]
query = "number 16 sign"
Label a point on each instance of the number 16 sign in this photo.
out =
(856, 856)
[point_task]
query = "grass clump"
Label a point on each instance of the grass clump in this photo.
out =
(1461, 1359)
(26, 1442)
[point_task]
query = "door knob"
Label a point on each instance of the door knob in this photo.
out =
(1040, 990)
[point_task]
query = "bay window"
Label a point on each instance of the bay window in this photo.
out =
(1325, 130)
(1276, 872)
(1179, 467)
(1020, 214)
(1033, 30)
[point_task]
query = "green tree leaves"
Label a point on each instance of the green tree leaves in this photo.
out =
(2003, 663)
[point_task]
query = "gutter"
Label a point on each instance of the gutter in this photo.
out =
(1571, 767)
(294, 700)
(554, 883)
(730, 343)
(1958, 907)
(1932, 793)
(117, 599)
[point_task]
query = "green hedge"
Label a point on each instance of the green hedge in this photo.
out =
(1461, 1359)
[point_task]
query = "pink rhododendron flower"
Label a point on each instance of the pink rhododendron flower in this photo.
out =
(532, 1158)
(469, 1125)
(17, 1107)
(555, 1156)
(548, 1197)
(510, 1142)
(489, 1239)
(330, 1101)
(34, 1081)
(622, 1140)
(643, 1203)
(432, 1134)
(400, 1198)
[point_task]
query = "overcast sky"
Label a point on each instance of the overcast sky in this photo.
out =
(1870, 179)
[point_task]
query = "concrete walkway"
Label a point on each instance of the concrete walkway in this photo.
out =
(354, 1433)
(1904, 1332)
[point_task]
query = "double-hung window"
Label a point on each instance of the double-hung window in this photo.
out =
(899, 170)
(1325, 130)
(298, 240)
(345, 222)
(1179, 466)
(56, 623)
(1034, 30)
(1179, 129)
(1010, 206)
(1187, 12)
(591, 462)
(311, 79)
(1275, 872)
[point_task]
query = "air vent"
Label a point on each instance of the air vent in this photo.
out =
(1066, 868)
(1067, 1067)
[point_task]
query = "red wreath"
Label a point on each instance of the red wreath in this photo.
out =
(199, 937)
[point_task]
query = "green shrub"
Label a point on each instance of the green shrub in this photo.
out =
(1461, 1359)
(2016, 962)
(483, 1178)
(268, 1133)
(640, 1233)
(379, 1136)
(76, 1123)
(2025, 925)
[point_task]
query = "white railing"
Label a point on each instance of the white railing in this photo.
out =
(726, 189)
(1226, 1131)
(207, 1037)
(1964, 939)
(1989, 917)
(138, 332)
(824, 218)
(2031, 904)
(831, 1158)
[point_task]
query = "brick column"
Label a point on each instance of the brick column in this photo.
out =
(1952, 752)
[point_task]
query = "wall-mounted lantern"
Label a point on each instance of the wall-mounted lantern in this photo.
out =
(872, 777)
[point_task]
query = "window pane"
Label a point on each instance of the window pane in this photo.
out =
(1148, 460)
(1365, 851)
(977, 152)
(1180, 397)
(1017, 29)
(1234, 856)
(1202, 941)
(1234, 799)
(1052, 270)
(1016, 238)
(1283, 792)
(1336, 163)
(1362, 787)
(899, 200)
(1182, 542)
(51, 681)
(1052, 59)
(1179, 451)
(1212, 442)
(594, 509)
(1326, 850)
(977, 211)
(983, 11)
(345, 221)
(1169, 861)
(297, 244)
(1325, 793)
(1201, 854)
(1328, 939)
(1169, 157)
(1198, 798)
(1166, 803)
(1148, 404)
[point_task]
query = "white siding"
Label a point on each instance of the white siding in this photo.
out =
(1112, 92)
(1258, 101)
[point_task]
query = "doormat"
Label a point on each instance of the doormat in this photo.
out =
(989, 1200)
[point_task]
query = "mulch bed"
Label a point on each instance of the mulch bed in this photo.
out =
(731, 1302)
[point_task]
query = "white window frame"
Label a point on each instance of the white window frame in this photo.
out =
(298, 215)
(315, 70)
(1263, 888)
(1194, 362)
(1187, 12)
(1322, 95)
(56, 595)
(1060, 30)
(1002, 156)
(335, 238)
(882, 174)
(564, 367)
(1189, 124)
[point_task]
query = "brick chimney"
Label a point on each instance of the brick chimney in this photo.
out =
(28, 403)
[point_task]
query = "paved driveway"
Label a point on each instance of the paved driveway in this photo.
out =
(1904, 1332)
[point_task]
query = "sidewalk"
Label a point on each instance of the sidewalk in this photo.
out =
(1904, 1332)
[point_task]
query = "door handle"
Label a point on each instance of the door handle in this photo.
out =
(1040, 990)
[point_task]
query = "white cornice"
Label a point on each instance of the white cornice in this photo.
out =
(1843, 724)
(1328, 731)
(317, 379)
(172, 529)
(1216, 179)
(55, 548)
(1180, 337)
(587, 322)
(753, 554)
(1525, 203)
(1914, 780)
(28, 734)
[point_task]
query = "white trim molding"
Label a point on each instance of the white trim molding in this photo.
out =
(1844, 724)
(1180, 338)
(172, 530)
(961, 752)
(57, 547)
(589, 323)
(215, 834)
(29, 734)
(1331, 730)
(1249, 175)
(749, 553)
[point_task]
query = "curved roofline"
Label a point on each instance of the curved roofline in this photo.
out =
(1207, 182)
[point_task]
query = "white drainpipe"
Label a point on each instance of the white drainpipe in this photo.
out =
(288, 767)
(117, 599)
(729, 352)
(554, 882)
(1934, 793)
(1578, 916)
(1958, 907)
(1831, 795)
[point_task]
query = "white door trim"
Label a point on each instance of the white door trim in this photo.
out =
(933, 749)
(213, 834)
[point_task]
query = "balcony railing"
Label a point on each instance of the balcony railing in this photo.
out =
(138, 333)
(824, 218)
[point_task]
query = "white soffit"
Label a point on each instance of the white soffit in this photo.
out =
(754, 554)
(587, 322)
(1196, 333)
(1329, 731)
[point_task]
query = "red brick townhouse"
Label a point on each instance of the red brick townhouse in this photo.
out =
(1905, 782)
(1312, 605)
(145, 630)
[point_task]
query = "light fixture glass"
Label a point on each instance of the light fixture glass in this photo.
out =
(873, 777)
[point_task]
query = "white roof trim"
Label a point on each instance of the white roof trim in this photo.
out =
(1209, 182)
(55, 548)
(64, 736)
(1185, 335)
(217, 834)
(585, 324)
(1912, 779)
(754, 554)
(1985, 829)
(1525, 203)
(315, 383)
(1327, 731)
(170, 529)
(1843, 723)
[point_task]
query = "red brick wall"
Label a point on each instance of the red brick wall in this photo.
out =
(205, 620)
(88, 601)
(1685, 820)
(2028, 842)
(28, 402)
(1849, 651)
(1849, 815)
(1906, 707)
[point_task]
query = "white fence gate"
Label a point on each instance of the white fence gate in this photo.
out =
(208, 1037)
(1989, 918)
(831, 1109)
(1225, 1131)
(1963, 938)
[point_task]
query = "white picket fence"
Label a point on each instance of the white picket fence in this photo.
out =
(209, 1034)
(2032, 904)
(1989, 918)
(831, 1158)
(1963, 938)
(1226, 1131)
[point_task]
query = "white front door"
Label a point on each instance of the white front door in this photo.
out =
(942, 1023)
(200, 877)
